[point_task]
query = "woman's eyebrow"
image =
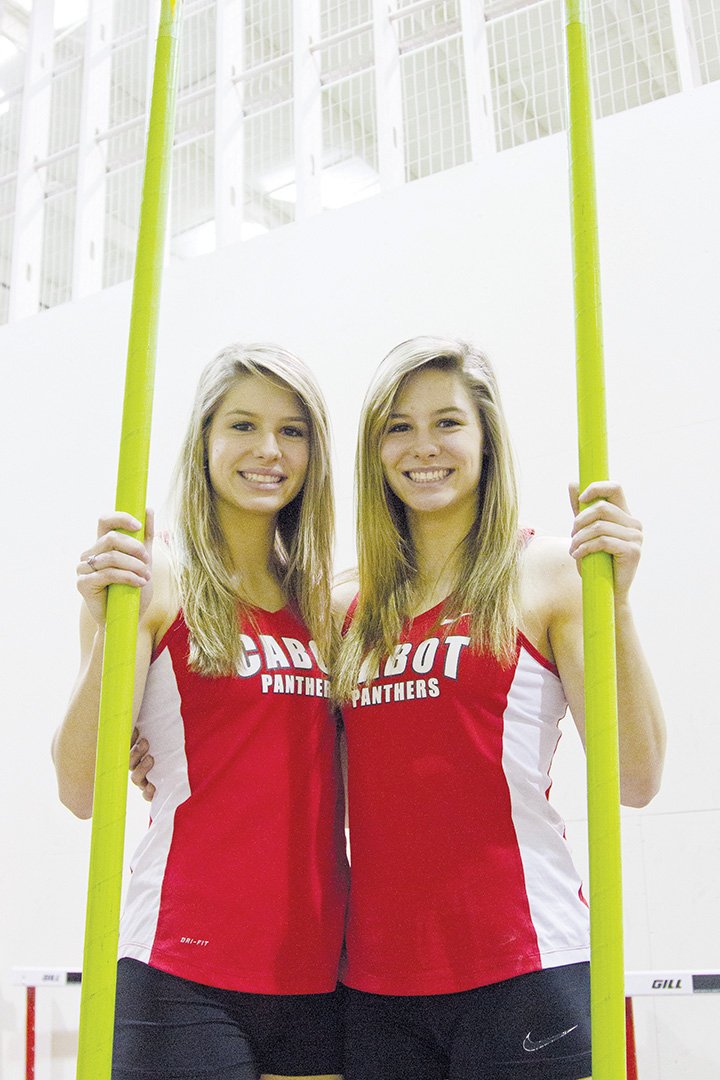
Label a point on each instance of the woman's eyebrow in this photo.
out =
(254, 416)
(435, 412)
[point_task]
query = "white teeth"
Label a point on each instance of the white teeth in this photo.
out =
(428, 475)
(261, 478)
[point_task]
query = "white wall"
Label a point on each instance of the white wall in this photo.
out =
(482, 252)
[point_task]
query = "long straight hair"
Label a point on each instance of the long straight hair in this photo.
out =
(488, 561)
(210, 596)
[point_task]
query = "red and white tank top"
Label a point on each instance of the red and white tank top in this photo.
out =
(461, 875)
(241, 880)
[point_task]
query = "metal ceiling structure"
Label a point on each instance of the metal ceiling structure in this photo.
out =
(287, 108)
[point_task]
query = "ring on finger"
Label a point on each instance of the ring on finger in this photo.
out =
(91, 561)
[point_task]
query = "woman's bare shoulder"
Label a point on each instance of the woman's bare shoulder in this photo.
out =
(544, 586)
(165, 602)
(543, 554)
(549, 577)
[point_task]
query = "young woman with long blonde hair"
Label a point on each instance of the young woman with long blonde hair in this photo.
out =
(233, 923)
(467, 937)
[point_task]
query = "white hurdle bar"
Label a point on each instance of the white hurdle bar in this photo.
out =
(35, 976)
(637, 984)
(671, 983)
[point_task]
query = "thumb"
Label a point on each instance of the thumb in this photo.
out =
(574, 493)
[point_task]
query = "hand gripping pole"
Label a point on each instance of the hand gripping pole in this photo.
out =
(606, 927)
(102, 920)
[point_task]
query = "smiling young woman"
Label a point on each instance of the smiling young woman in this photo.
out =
(233, 922)
(467, 938)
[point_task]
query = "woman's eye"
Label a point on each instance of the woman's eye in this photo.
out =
(242, 425)
(294, 432)
(393, 429)
(448, 422)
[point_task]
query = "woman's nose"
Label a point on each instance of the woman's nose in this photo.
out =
(267, 445)
(425, 445)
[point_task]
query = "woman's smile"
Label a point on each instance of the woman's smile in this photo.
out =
(428, 476)
(267, 478)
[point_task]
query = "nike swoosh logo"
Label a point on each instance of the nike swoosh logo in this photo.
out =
(448, 622)
(531, 1046)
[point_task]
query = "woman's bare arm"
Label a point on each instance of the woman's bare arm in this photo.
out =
(607, 525)
(115, 557)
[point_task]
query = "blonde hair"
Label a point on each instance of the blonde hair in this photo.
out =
(488, 560)
(212, 603)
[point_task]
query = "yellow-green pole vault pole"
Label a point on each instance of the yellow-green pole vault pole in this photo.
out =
(606, 916)
(102, 920)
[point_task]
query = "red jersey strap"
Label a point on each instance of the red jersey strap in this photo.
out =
(349, 614)
(163, 642)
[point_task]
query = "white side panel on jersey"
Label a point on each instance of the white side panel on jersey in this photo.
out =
(160, 722)
(536, 703)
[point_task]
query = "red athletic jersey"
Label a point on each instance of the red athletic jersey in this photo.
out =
(241, 880)
(461, 875)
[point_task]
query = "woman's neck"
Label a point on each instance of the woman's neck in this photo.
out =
(437, 541)
(250, 543)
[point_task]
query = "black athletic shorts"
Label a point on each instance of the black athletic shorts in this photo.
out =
(533, 1027)
(167, 1028)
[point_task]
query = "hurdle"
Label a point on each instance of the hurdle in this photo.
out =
(659, 984)
(31, 978)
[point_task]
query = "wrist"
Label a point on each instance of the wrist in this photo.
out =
(622, 606)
